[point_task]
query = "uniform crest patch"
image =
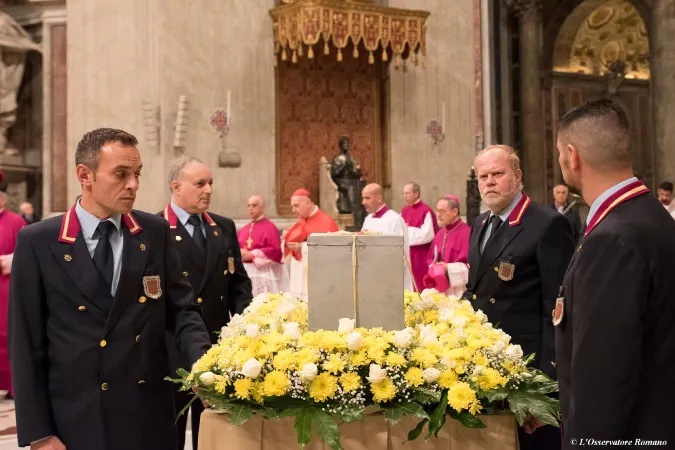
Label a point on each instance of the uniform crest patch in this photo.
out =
(559, 311)
(506, 270)
(152, 286)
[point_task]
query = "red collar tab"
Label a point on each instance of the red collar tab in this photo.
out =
(131, 223)
(170, 216)
(208, 219)
(70, 225)
(635, 189)
(517, 214)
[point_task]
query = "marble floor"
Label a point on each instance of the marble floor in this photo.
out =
(8, 426)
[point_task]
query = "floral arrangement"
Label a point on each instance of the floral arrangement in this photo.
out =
(449, 361)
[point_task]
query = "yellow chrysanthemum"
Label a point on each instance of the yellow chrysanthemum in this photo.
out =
(284, 360)
(305, 356)
(383, 391)
(257, 391)
(490, 379)
(424, 357)
(323, 387)
(350, 381)
(480, 360)
(415, 376)
(242, 356)
(476, 343)
(275, 384)
(475, 407)
(377, 355)
(242, 388)
(460, 396)
(334, 365)
(447, 379)
(360, 358)
(221, 384)
(396, 359)
(430, 316)
(510, 367)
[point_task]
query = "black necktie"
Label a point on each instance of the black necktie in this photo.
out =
(197, 234)
(103, 255)
(496, 222)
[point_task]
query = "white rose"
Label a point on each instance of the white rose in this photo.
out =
(252, 330)
(309, 371)
(346, 325)
(514, 351)
(428, 292)
(448, 363)
(292, 330)
(251, 368)
(498, 347)
(428, 334)
(459, 332)
(427, 302)
(403, 338)
(226, 332)
(377, 373)
(285, 310)
(481, 316)
(354, 340)
(289, 296)
(478, 370)
(446, 314)
(235, 321)
(430, 375)
(458, 322)
(487, 326)
(207, 378)
(275, 325)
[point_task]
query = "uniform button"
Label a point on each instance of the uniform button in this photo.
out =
(82, 308)
(554, 364)
(141, 382)
(142, 299)
(496, 269)
(199, 300)
(103, 343)
(493, 301)
(474, 297)
(185, 274)
(138, 338)
(104, 387)
(225, 272)
(553, 313)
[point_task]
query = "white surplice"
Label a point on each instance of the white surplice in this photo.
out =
(297, 273)
(266, 276)
(392, 223)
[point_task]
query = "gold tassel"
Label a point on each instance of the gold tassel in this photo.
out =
(326, 50)
(310, 52)
(295, 57)
(371, 58)
(339, 56)
(385, 56)
(300, 51)
(356, 52)
(284, 55)
(276, 61)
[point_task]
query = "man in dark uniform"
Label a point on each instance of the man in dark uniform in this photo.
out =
(517, 256)
(568, 209)
(91, 296)
(210, 260)
(615, 343)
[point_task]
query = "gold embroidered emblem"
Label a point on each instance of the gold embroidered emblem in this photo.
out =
(152, 286)
(67, 258)
(143, 247)
(559, 311)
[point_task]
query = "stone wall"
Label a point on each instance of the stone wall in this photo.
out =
(124, 53)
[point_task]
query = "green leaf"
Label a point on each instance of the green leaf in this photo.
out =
(437, 419)
(270, 413)
(372, 409)
(352, 415)
(496, 395)
(174, 380)
(467, 419)
(182, 411)
(395, 414)
(328, 430)
(544, 408)
(529, 358)
(239, 414)
(182, 373)
(303, 423)
(415, 433)
(426, 396)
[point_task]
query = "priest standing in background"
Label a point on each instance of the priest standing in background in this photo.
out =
(10, 224)
(310, 220)
(260, 245)
(422, 227)
(210, 259)
(383, 220)
(449, 249)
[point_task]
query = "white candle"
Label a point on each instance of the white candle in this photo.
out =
(443, 119)
(229, 113)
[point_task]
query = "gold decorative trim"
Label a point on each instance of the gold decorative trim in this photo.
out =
(304, 23)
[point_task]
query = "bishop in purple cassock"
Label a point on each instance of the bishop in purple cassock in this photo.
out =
(422, 227)
(449, 248)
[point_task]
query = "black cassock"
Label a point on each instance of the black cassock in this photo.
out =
(536, 244)
(220, 284)
(615, 344)
(87, 367)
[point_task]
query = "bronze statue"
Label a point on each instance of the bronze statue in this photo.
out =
(346, 174)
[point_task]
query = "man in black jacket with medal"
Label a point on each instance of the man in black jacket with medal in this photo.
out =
(615, 313)
(517, 258)
(92, 294)
(210, 259)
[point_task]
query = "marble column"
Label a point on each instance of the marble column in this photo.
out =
(531, 109)
(662, 66)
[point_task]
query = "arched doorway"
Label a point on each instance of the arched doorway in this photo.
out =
(601, 50)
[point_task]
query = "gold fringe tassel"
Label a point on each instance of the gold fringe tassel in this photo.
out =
(339, 55)
(356, 52)
(295, 57)
(371, 58)
(310, 52)
(284, 55)
(301, 52)
(326, 50)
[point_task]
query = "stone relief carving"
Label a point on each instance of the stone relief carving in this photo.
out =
(14, 43)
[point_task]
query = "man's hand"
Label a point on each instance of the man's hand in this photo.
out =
(51, 443)
(6, 264)
(531, 423)
(295, 246)
(284, 233)
(246, 255)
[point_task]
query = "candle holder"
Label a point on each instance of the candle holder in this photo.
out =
(220, 121)
(435, 131)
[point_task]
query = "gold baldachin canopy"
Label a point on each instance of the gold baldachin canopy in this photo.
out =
(303, 23)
